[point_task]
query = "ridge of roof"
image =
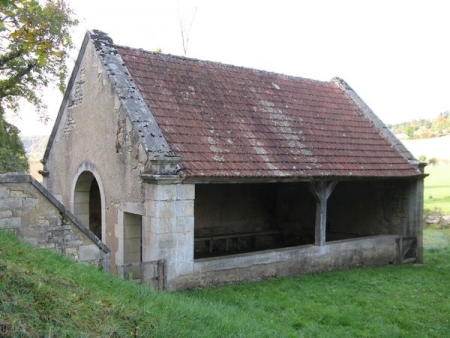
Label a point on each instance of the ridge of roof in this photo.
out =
(222, 64)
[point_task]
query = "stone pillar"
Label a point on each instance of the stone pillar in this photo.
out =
(414, 201)
(168, 225)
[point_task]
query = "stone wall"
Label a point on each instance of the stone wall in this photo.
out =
(346, 254)
(168, 227)
(94, 136)
(30, 211)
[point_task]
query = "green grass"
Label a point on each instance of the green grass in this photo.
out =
(437, 189)
(45, 295)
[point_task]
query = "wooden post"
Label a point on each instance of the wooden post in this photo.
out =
(321, 191)
(161, 274)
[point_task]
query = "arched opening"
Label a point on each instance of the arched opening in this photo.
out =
(87, 202)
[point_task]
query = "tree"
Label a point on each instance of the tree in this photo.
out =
(34, 46)
(12, 153)
(184, 29)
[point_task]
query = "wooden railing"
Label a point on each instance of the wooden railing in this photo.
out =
(406, 249)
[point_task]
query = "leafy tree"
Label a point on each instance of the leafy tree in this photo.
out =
(34, 46)
(433, 161)
(12, 153)
(415, 129)
(422, 158)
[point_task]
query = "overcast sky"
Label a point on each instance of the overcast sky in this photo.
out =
(394, 53)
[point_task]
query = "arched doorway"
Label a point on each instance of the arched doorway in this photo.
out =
(87, 202)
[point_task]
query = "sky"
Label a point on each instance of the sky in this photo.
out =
(394, 53)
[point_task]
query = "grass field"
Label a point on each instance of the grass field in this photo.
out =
(437, 189)
(45, 295)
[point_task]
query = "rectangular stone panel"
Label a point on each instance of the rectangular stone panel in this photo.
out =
(185, 191)
(161, 209)
(163, 192)
(184, 208)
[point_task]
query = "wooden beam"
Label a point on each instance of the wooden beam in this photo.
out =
(321, 191)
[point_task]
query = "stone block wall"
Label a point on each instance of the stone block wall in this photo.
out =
(30, 211)
(168, 228)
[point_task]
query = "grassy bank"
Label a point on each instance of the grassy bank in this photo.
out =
(42, 294)
(437, 189)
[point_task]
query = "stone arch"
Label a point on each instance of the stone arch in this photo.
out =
(88, 199)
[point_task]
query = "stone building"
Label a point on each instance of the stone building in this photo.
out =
(226, 173)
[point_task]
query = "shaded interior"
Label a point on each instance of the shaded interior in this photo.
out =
(237, 218)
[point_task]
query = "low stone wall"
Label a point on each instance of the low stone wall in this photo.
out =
(36, 216)
(337, 255)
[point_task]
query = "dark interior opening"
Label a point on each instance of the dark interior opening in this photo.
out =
(237, 218)
(366, 208)
(95, 209)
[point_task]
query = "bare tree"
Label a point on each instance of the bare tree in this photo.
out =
(185, 29)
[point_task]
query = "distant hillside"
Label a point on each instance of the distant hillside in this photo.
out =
(34, 146)
(420, 129)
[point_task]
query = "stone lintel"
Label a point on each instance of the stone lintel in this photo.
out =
(161, 179)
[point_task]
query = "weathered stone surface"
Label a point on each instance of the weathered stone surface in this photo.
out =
(162, 224)
(89, 253)
(184, 208)
(30, 202)
(10, 203)
(372, 251)
(161, 209)
(18, 193)
(5, 214)
(185, 224)
(185, 191)
(7, 223)
(72, 252)
(166, 192)
(4, 192)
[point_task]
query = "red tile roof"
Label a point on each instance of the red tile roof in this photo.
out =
(227, 121)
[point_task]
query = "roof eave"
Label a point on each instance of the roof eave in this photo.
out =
(377, 123)
(290, 179)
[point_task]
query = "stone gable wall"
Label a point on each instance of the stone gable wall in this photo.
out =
(95, 133)
(30, 211)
